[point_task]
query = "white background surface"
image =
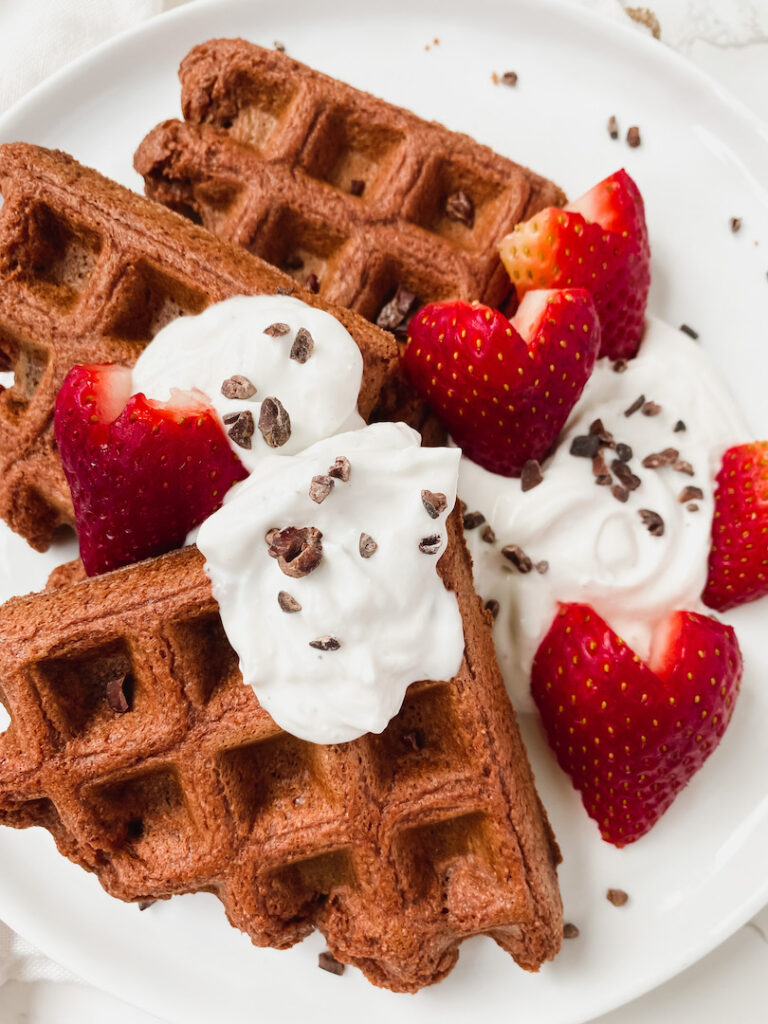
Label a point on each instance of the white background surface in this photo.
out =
(732, 982)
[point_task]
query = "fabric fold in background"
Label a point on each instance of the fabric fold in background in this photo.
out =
(37, 37)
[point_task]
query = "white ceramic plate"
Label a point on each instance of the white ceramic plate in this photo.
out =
(701, 873)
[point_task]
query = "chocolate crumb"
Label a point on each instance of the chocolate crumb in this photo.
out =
(117, 698)
(598, 429)
(652, 521)
(394, 313)
(288, 602)
(303, 345)
(367, 545)
(430, 545)
(509, 78)
(735, 223)
(413, 740)
(298, 550)
(651, 409)
(542, 566)
(238, 386)
(146, 904)
(135, 828)
(487, 535)
(340, 469)
(460, 207)
(280, 290)
(679, 426)
(633, 136)
(690, 493)
(280, 47)
(473, 519)
(689, 331)
(570, 931)
(434, 502)
(656, 460)
(329, 963)
(625, 475)
(313, 283)
(531, 475)
(492, 606)
(242, 428)
(693, 507)
(617, 897)
(325, 643)
(515, 554)
(638, 403)
(620, 493)
(320, 488)
(585, 446)
(601, 471)
(613, 127)
(684, 467)
(623, 452)
(293, 261)
(620, 365)
(356, 187)
(274, 422)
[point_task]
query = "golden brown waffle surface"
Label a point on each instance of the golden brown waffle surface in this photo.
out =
(89, 272)
(397, 847)
(324, 180)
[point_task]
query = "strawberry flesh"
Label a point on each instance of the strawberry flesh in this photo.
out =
(738, 560)
(598, 242)
(504, 390)
(142, 473)
(631, 735)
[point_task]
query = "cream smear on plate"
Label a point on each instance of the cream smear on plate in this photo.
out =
(597, 549)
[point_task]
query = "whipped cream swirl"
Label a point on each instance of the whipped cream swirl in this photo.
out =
(331, 651)
(597, 549)
(252, 336)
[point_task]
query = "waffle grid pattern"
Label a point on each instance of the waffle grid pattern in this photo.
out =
(89, 272)
(396, 846)
(321, 179)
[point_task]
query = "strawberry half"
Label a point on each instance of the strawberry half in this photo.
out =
(598, 242)
(504, 389)
(631, 735)
(142, 473)
(738, 561)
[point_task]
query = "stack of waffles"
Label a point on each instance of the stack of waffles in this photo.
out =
(363, 199)
(396, 846)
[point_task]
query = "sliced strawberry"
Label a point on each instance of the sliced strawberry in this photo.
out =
(738, 561)
(599, 242)
(504, 390)
(631, 735)
(142, 473)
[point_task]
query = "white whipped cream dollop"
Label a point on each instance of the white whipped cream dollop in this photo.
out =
(597, 549)
(227, 339)
(393, 618)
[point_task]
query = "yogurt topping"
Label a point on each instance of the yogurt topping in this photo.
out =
(389, 613)
(229, 338)
(598, 550)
